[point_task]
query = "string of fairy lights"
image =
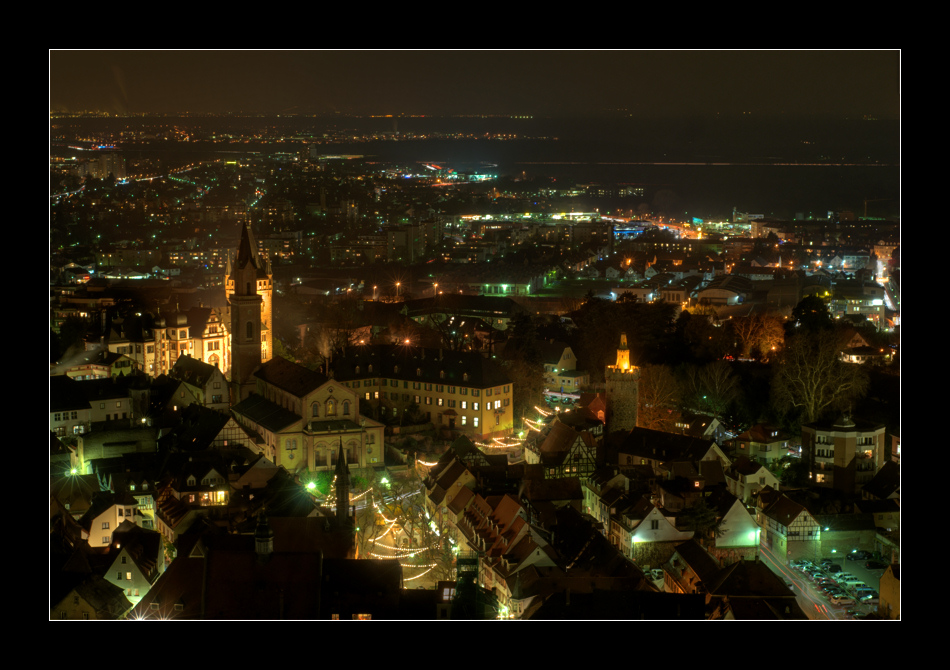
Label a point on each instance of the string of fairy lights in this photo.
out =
(392, 526)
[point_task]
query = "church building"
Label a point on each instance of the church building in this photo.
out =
(249, 287)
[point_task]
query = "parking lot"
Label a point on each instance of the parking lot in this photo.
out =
(836, 585)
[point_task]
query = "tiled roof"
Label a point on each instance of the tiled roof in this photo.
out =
(418, 364)
(192, 371)
(698, 559)
(66, 394)
(749, 578)
(661, 446)
(784, 510)
(285, 375)
(262, 411)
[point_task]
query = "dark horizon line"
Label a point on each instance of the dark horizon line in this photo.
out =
(471, 115)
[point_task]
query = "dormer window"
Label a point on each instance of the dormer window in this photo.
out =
(418, 372)
(191, 481)
(442, 374)
(371, 369)
(464, 376)
(396, 369)
(357, 370)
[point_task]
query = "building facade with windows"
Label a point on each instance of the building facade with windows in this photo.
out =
(791, 532)
(303, 416)
(459, 391)
(843, 454)
(199, 333)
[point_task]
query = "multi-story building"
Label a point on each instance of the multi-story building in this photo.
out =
(206, 382)
(762, 443)
(859, 298)
(790, 530)
(843, 454)
(199, 333)
(459, 391)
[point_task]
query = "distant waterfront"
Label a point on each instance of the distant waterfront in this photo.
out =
(768, 167)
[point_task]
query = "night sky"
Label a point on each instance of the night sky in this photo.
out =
(812, 84)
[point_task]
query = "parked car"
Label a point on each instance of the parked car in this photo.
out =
(876, 565)
(859, 555)
(844, 600)
(843, 577)
(834, 569)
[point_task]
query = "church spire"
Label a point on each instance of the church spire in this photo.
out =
(247, 250)
(342, 487)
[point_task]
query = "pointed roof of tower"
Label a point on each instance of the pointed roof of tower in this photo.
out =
(247, 249)
(341, 466)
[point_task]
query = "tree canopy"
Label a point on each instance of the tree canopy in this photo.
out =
(811, 378)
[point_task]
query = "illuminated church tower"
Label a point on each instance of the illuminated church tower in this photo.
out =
(623, 390)
(249, 287)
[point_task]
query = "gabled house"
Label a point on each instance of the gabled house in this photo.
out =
(565, 452)
(93, 598)
(762, 443)
(791, 531)
(738, 534)
(644, 534)
(890, 592)
(290, 570)
(106, 512)
(659, 450)
(443, 486)
(205, 381)
(701, 427)
(747, 477)
(69, 411)
(750, 590)
(139, 559)
(689, 569)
